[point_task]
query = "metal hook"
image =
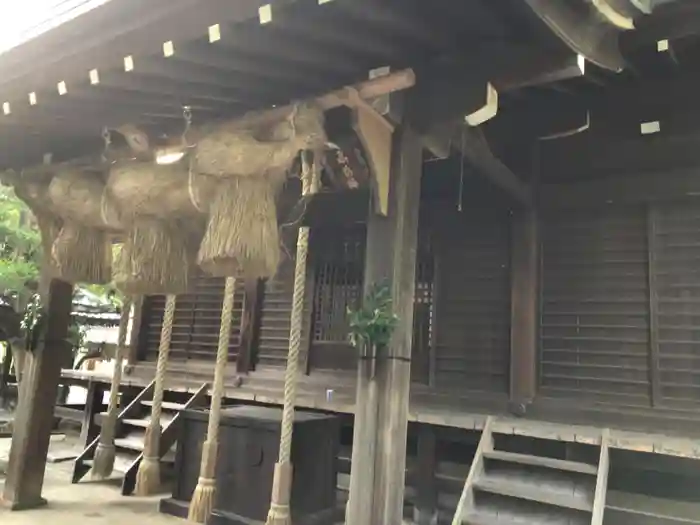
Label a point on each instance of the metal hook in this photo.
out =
(187, 115)
(107, 138)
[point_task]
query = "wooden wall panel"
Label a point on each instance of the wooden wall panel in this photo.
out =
(676, 274)
(472, 333)
(595, 306)
(196, 323)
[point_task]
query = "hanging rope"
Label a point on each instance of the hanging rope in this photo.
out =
(103, 463)
(279, 513)
(203, 497)
(148, 476)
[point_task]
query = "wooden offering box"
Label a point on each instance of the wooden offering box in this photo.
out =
(248, 446)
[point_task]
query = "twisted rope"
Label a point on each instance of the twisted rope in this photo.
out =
(109, 425)
(221, 359)
(103, 462)
(203, 498)
(279, 505)
(151, 446)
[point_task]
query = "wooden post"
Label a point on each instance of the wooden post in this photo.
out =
(136, 334)
(250, 325)
(426, 509)
(381, 417)
(524, 308)
(89, 429)
(35, 414)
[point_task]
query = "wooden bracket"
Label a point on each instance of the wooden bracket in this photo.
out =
(376, 134)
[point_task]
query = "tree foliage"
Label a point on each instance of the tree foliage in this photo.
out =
(20, 244)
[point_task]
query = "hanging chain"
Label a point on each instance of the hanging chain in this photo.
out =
(107, 138)
(461, 170)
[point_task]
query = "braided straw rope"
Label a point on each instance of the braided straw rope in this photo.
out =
(103, 463)
(203, 497)
(148, 477)
(279, 513)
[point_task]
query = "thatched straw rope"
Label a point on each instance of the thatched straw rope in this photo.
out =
(155, 259)
(82, 198)
(242, 232)
(103, 464)
(148, 475)
(145, 189)
(228, 150)
(280, 513)
(82, 255)
(203, 497)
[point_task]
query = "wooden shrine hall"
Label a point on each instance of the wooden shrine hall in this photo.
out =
(520, 175)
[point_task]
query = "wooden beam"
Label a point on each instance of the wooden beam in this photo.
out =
(585, 34)
(457, 88)
(35, 418)
(644, 188)
(524, 308)
(472, 143)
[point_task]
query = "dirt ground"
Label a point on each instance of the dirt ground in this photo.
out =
(86, 503)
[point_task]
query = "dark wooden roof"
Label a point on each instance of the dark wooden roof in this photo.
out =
(307, 48)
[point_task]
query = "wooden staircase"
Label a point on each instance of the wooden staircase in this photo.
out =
(132, 422)
(507, 488)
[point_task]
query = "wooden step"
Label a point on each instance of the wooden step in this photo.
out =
(539, 461)
(143, 422)
(133, 441)
(122, 460)
(167, 405)
(532, 492)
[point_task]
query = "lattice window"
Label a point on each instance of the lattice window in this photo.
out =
(339, 265)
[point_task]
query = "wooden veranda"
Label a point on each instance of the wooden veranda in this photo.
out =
(535, 206)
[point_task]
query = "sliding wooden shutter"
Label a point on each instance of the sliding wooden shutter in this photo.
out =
(196, 323)
(472, 295)
(675, 239)
(595, 306)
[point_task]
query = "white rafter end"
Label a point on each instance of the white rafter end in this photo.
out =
(168, 48)
(62, 88)
(6, 109)
(214, 33)
(265, 13)
(649, 128)
(128, 63)
(32, 98)
(487, 111)
(94, 76)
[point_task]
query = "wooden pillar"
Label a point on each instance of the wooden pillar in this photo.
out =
(426, 509)
(381, 417)
(89, 429)
(135, 338)
(525, 268)
(35, 414)
(250, 325)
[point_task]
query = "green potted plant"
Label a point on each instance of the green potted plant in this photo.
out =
(373, 323)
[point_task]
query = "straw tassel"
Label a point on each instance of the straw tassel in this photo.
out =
(280, 512)
(148, 475)
(203, 498)
(103, 463)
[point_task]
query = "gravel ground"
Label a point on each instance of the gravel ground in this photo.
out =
(86, 503)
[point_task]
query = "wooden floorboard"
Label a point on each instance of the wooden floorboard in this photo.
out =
(314, 393)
